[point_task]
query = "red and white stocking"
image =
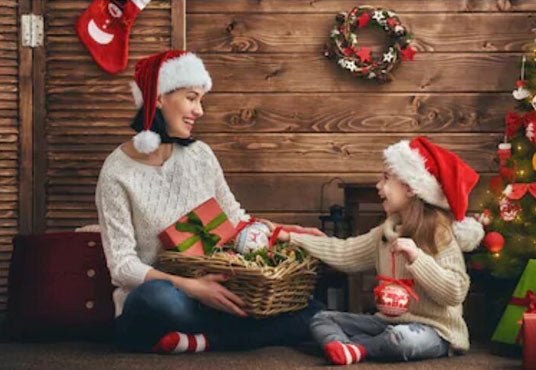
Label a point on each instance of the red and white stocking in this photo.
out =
(344, 353)
(104, 29)
(177, 342)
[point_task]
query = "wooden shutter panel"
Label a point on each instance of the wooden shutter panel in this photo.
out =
(88, 111)
(9, 138)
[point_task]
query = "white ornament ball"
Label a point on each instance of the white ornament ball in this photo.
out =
(392, 300)
(252, 237)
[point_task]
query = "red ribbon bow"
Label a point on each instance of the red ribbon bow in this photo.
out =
(519, 190)
(528, 301)
(386, 280)
(514, 122)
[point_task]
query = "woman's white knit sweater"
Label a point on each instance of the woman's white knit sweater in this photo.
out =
(136, 202)
(441, 281)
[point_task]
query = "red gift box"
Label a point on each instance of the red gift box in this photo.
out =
(529, 340)
(199, 231)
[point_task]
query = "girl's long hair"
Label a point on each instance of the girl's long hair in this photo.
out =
(429, 226)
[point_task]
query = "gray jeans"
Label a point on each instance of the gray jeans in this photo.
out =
(382, 340)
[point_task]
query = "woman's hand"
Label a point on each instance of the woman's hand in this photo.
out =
(407, 247)
(210, 292)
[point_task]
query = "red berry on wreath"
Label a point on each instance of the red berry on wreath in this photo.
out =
(392, 22)
(363, 20)
(364, 54)
(408, 53)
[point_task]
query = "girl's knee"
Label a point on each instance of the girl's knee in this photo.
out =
(413, 341)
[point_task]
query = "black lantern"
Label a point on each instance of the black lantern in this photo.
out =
(337, 223)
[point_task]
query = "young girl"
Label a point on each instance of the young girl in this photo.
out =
(425, 191)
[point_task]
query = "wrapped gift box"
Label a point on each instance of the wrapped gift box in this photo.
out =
(199, 231)
(529, 341)
(523, 300)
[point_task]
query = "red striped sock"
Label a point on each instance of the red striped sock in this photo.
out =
(177, 342)
(344, 354)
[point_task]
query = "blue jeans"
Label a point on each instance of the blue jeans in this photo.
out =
(382, 340)
(156, 307)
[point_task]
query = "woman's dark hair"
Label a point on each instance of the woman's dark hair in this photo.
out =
(159, 126)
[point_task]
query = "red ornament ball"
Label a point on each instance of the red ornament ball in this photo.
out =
(392, 299)
(494, 242)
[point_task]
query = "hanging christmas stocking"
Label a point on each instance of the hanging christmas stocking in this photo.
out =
(104, 29)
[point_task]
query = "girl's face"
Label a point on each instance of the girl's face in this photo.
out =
(180, 109)
(395, 194)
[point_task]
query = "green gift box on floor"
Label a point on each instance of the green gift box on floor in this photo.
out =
(523, 300)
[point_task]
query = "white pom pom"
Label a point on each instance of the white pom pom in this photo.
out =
(468, 232)
(146, 141)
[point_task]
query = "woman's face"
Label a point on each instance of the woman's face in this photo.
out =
(394, 193)
(181, 108)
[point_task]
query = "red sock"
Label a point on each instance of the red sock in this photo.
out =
(177, 342)
(344, 354)
(104, 29)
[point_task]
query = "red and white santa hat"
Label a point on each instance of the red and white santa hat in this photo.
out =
(160, 74)
(438, 177)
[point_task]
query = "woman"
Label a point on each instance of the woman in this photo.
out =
(144, 186)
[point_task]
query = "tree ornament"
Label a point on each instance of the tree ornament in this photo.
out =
(392, 299)
(344, 49)
(252, 238)
(393, 295)
(494, 242)
(508, 210)
(529, 132)
(504, 152)
(485, 217)
(521, 92)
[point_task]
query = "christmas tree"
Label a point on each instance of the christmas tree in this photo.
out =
(509, 205)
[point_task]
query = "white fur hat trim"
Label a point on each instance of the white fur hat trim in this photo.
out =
(410, 167)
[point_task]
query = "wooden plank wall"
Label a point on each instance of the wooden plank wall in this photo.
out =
(282, 119)
(9, 138)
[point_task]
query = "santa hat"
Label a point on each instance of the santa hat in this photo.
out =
(160, 74)
(438, 177)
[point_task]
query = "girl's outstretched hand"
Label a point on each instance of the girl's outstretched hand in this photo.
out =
(284, 234)
(407, 247)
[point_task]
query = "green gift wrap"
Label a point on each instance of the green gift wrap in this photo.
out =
(523, 300)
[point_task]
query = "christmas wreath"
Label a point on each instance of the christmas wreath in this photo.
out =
(343, 45)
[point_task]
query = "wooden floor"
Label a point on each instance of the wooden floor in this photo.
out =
(70, 355)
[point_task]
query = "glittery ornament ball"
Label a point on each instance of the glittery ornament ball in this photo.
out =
(392, 300)
(252, 237)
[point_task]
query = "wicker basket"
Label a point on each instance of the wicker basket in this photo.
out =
(267, 290)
